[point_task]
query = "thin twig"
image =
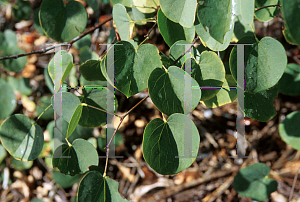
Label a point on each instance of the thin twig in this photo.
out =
(53, 46)
(267, 7)
(150, 30)
(194, 41)
(121, 121)
(294, 183)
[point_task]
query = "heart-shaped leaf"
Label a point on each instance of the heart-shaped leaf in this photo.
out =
(21, 138)
(7, 99)
(132, 67)
(209, 74)
(216, 18)
(164, 144)
(289, 84)
(167, 91)
(209, 41)
(289, 129)
(290, 12)
(253, 181)
(91, 70)
(82, 154)
(259, 106)
(180, 11)
(267, 13)
(122, 21)
(96, 188)
(94, 114)
(65, 65)
(62, 22)
(172, 31)
(226, 95)
(66, 106)
(265, 62)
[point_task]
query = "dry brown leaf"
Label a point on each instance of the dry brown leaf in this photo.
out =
(28, 71)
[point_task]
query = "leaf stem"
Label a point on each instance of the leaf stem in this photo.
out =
(86, 105)
(121, 121)
(43, 112)
(142, 43)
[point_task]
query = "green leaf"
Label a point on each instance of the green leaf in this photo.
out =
(265, 62)
(172, 31)
(91, 70)
(20, 84)
(65, 181)
(127, 3)
(253, 181)
(137, 16)
(85, 54)
(74, 120)
(22, 10)
(290, 12)
(146, 6)
(7, 99)
(163, 141)
(36, 21)
(88, 84)
(3, 153)
(66, 66)
(67, 106)
(209, 74)
(21, 165)
(45, 101)
(216, 18)
(209, 41)
(132, 67)
(97, 98)
(289, 84)
(9, 39)
(167, 89)
(180, 11)
(96, 188)
(62, 22)
(289, 130)
(78, 162)
(268, 13)
(122, 21)
(259, 106)
(226, 95)
(22, 139)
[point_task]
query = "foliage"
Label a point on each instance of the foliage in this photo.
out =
(173, 88)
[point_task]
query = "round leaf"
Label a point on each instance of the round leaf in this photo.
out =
(289, 84)
(217, 24)
(91, 70)
(77, 161)
(167, 91)
(289, 130)
(253, 181)
(268, 13)
(163, 144)
(132, 67)
(259, 106)
(62, 22)
(265, 62)
(180, 11)
(209, 74)
(290, 12)
(22, 139)
(7, 99)
(96, 188)
(172, 31)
